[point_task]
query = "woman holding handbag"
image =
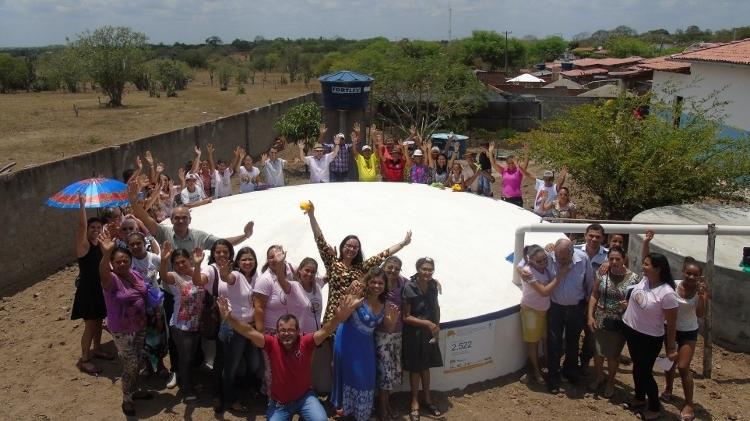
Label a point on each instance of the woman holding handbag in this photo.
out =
(606, 306)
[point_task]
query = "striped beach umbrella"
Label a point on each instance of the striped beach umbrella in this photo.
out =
(99, 193)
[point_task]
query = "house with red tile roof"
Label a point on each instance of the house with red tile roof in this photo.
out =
(696, 74)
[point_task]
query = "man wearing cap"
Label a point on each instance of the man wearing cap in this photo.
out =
(546, 190)
(192, 195)
(318, 163)
(367, 162)
(339, 166)
(392, 162)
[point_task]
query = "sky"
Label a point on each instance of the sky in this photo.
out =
(43, 22)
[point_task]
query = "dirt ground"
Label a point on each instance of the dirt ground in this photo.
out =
(39, 380)
(40, 127)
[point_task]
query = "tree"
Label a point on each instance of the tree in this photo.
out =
(623, 31)
(213, 41)
(632, 163)
(111, 56)
(426, 92)
(301, 122)
(489, 48)
(549, 48)
(14, 73)
(63, 67)
(225, 70)
(626, 46)
(172, 75)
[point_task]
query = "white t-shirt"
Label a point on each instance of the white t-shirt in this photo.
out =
(192, 197)
(687, 320)
(239, 294)
(551, 196)
(645, 313)
(148, 267)
(248, 179)
(279, 303)
(274, 172)
(467, 173)
(319, 172)
(223, 183)
(316, 306)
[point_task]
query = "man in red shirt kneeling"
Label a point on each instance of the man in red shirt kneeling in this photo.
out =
(290, 357)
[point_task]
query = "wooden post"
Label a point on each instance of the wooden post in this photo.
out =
(707, 335)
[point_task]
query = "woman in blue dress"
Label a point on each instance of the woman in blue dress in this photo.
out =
(354, 351)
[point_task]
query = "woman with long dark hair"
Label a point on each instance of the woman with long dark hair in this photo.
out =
(421, 316)
(693, 297)
(354, 354)
(652, 306)
(605, 309)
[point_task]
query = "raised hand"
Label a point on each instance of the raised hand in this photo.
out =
(81, 200)
(392, 313)
(197, 150)
(160, 167)
(263, 157)
(225, 267)
(323, 129)
(198, 256)
(356, 128)
(106, 243)
(166, 251)
(138, 163)
(133, 189)
(224, 307)
(649, 236)
(310, 208)
(413, 131)
(241, 152)
(492, 149)
(210, 148)
(407, 239)
(149, 158)
(301, 145)
(248, 229)
(181, 174)
(347, 305)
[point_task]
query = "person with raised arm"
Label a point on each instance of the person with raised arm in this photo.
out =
(418, 171)
(125, 295)
(392, 162)
(354, 354)
(88, 303)
(512, 175)
(440, 165)
(249, 173)
(276, 293)
(185, 284)
(350, 266)
(367, 161)
(221, 172)
(546, 191)
(290, 355)
(339, 166)
(180, 234)
(273, 168)
(318, 163)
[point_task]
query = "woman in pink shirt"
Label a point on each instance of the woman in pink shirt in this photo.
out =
(512, 175)
(125, 297)
(535, 302)
(275, 294)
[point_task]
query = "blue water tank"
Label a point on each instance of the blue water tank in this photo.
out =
(566, 65)
(345, 90)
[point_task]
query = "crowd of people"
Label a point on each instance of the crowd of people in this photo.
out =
(589, 289)
(263, 326)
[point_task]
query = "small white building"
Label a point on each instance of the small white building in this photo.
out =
(697, 74)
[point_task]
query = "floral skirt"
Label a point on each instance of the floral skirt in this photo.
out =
(388, 359)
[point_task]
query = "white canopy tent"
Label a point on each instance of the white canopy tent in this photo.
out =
(526, 78)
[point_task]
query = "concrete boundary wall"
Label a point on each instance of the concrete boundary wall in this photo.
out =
(38, 240)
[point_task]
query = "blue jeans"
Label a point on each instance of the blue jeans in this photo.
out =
(308, 407)
(236, 348)
(484, 186)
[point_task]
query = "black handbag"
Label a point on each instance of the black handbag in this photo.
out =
(210, 319)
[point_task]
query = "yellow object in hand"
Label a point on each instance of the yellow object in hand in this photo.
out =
(456, 187)
(304, 205)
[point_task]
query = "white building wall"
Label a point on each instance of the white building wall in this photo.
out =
(732, 80)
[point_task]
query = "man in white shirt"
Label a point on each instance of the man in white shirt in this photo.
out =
(318, 162)
(546, 190)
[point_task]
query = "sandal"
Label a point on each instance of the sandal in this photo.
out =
(432, 409)
(88, 367)
(102, 355)
(414, 415)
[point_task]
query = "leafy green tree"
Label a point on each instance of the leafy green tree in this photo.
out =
(301, 122)
(61, 68)
(487, 49)
(111, 56)
(632, 163)
(172, 75)
(225, 71)
(14, 73)
(548, 49)
(626, 46)
(213, 41)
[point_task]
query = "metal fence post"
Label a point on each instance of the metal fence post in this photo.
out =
(707, 335)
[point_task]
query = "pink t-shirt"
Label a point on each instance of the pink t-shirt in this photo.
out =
(126, 304)
(239, 294)
(279, 303)
(529, 296)
(645, 313)
(512, 182)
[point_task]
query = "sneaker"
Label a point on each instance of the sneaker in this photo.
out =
(172, 382)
